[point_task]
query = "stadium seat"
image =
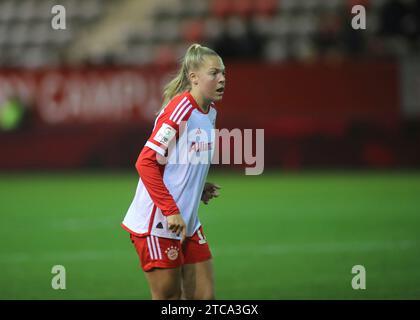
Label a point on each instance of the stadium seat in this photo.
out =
(243, 8)
(305, 24)
(222, 8)
(281, 25)
(310, 5)
(26, 10)
(262, 25)
(7, 11)
(18, 34)
(193, 31)
(195, 9)
(90, 9)
(275, 51)
(165, 55)
(168, 30)
(331, 5)
(286, 6)
(213, 28)
(37, 56)
(377, 4)
(365, 3)
(137, 55)
(302, 48)
(3, 35)
(266, 7)
(39, 34)
(164, 11)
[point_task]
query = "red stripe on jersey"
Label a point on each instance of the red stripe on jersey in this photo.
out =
(184, 114)
(179, 109)
(152, 218)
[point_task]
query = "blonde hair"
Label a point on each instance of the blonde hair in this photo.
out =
(192, 60)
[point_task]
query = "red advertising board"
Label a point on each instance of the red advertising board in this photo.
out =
(256, 93)
(313, 115)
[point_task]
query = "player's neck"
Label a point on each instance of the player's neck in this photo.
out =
(202, 103)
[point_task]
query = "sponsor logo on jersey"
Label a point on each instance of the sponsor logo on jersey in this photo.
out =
(201, 146)
(159, 225)
(172, 253)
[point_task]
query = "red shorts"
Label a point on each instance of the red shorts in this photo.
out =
(157, 252)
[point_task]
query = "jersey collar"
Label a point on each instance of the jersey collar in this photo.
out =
(195, 104)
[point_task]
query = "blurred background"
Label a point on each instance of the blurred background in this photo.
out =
(340, 109)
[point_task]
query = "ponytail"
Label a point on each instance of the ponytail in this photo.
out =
(192, 60)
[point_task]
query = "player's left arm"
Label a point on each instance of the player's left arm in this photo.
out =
(210, 191)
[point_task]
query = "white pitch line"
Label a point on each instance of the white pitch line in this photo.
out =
(240, 249)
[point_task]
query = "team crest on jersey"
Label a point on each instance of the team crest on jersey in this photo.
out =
(172, 252)
(165, 134)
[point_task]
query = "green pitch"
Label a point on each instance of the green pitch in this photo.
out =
(275, 236)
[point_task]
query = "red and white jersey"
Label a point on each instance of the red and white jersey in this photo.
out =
(184, 134)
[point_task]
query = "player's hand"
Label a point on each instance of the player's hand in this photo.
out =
(177, 225)
(210, 191)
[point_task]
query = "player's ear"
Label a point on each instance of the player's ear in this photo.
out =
(193, 78)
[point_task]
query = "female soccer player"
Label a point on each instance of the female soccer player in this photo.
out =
(163, 217)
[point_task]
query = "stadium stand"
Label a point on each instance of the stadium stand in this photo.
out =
(271, 30)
